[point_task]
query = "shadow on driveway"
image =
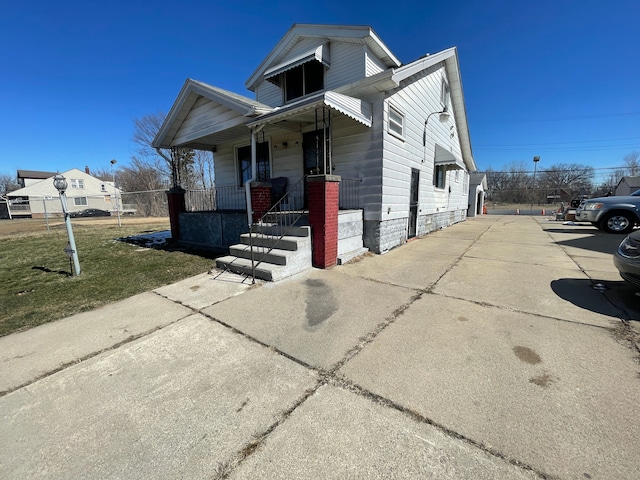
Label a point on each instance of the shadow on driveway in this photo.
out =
(616, 299)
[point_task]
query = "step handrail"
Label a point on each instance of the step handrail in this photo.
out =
(285, 219)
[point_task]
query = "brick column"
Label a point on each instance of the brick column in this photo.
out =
(175, 199)
(324, 191)
(260, 199)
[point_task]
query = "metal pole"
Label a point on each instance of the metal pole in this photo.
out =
(115, 191)
(46, 215)
(72, 241)
(535, 164)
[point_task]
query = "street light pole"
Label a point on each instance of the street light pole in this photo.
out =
(535, 163)
(61, 185)
(115, 191)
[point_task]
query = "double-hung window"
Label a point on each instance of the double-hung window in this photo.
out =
(77, 183)
(396, 122)
(439, 176)
(263, 166)
(80, 201)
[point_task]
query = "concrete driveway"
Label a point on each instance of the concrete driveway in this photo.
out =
(481, 351)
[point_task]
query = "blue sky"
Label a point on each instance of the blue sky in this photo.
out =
(558, 79)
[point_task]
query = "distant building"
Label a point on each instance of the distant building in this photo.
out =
(628, 185)
(39, 198)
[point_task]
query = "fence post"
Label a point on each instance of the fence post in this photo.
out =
(175, 199)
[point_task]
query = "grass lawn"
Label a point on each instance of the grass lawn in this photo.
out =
(36, 287)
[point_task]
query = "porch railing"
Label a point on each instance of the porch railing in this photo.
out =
(229, 198)
(266, 234)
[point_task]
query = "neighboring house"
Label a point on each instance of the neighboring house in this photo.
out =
(29, 177)
(477, 189)
(334, 100)
(39, 198)
(627, 185)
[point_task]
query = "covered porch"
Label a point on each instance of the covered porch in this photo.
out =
(263, 159)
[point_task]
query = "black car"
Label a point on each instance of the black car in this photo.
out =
(90, 212)
(627, 259)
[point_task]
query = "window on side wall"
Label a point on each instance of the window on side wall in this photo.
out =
(263, 166)
(80, 201)
(439, 176)
(396, 122)
(303, 80)
(445, 94)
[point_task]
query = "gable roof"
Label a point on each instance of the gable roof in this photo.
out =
(328, 33)
(34, 174)
(191, 91)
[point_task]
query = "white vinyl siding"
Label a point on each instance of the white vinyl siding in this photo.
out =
(373, 65)
(416, 99)
(205, 117)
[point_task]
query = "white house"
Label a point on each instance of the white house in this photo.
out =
(477, 190)
(39, 197)
(335, 100)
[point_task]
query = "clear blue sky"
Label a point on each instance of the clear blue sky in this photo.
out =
(559, 79)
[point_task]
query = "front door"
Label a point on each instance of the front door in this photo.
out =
(315, 158)
(413, 203)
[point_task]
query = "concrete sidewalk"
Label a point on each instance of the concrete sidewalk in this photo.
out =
(478, 351)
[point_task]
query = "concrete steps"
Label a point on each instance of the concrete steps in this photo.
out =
(274, 258)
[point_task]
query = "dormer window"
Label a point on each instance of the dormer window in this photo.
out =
(301, 75)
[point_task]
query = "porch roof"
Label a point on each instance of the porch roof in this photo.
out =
(303, 111)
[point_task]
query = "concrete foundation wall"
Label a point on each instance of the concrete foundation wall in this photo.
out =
(212, 230)
(382, 236)
(350, 228)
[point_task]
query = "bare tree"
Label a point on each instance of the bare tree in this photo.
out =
(192, 169)
(7, 183)
(632, 163)
(574, 178)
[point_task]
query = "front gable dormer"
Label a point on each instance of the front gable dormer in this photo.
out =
(314, 58)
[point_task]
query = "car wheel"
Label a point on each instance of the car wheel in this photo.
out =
(618, 222)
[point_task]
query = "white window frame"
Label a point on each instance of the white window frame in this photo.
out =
(80, 201)
(77, 183)
(398, 123)
(445, 94)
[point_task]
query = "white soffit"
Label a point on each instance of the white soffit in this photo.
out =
(320, 54)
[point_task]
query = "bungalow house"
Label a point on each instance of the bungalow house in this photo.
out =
(39, 198)
(334, 105)
(628, 185)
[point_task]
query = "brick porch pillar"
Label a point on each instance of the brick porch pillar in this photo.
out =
(324, 193)
(260, 199)
(175, 199)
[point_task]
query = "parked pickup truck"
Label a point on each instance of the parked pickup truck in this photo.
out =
(617, 214)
